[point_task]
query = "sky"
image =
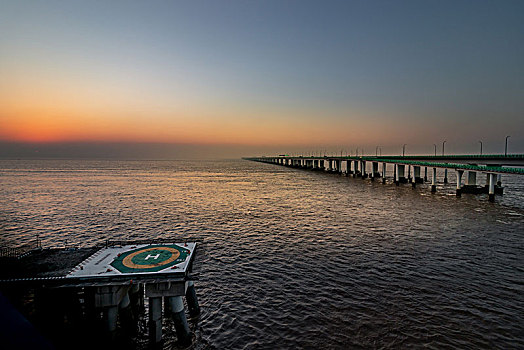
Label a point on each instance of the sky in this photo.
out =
(178, 79)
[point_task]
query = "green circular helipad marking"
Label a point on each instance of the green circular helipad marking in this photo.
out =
(151, 258)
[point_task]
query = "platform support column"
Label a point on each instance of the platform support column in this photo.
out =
(425, 174)
(459, 182)
(395, 174)
(110, 320)
(445, 176)
(136, 298)
(155, 319)
(363, 168)
(434, 181)
(126, 314)
(383, 173)
(499, 180)
(491, 192)
(192, 301)
(183, 333)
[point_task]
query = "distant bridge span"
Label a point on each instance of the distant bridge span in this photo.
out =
(492, 164)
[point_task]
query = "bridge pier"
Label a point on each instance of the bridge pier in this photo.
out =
(425, 174)
(459, 182)
(363, 169)
(416, 174)
(395, 173)
(445, 176)
(491, 188)
(401, 173)
(376, 173)
(470, 183)
(434, 181)
(383, 173)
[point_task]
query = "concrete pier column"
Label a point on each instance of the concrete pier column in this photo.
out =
(499, 180)
(395, 174)
(136, 298)
(416, 174)
(445, 176)
(459, 182)
(110, 314)
(491, 191)
(329, 167)
(126, 314)
(413, 179)
(401, 173)
(375, 170)
(355, 166)
(363, 169)
(425, 174)
(434, 181)
(183, 333)
(192, 301)
(471, 179)
(383, 173)
(155, 319)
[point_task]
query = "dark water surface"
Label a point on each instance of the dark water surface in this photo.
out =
(297, 259)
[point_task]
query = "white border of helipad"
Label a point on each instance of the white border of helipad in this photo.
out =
(99, 264)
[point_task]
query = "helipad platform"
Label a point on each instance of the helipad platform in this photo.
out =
(104, 284)
(133, 260)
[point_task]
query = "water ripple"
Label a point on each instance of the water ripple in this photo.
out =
(297, 259)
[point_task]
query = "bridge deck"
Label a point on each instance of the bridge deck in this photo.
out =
(489, 163)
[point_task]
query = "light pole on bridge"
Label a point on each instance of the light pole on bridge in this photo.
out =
(404, 149)
(480, 147)
(506, 148)
(435, 149)
(443, 143)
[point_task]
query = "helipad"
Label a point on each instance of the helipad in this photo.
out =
(166, 258)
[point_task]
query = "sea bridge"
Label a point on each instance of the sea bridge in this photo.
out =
(466, 168)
